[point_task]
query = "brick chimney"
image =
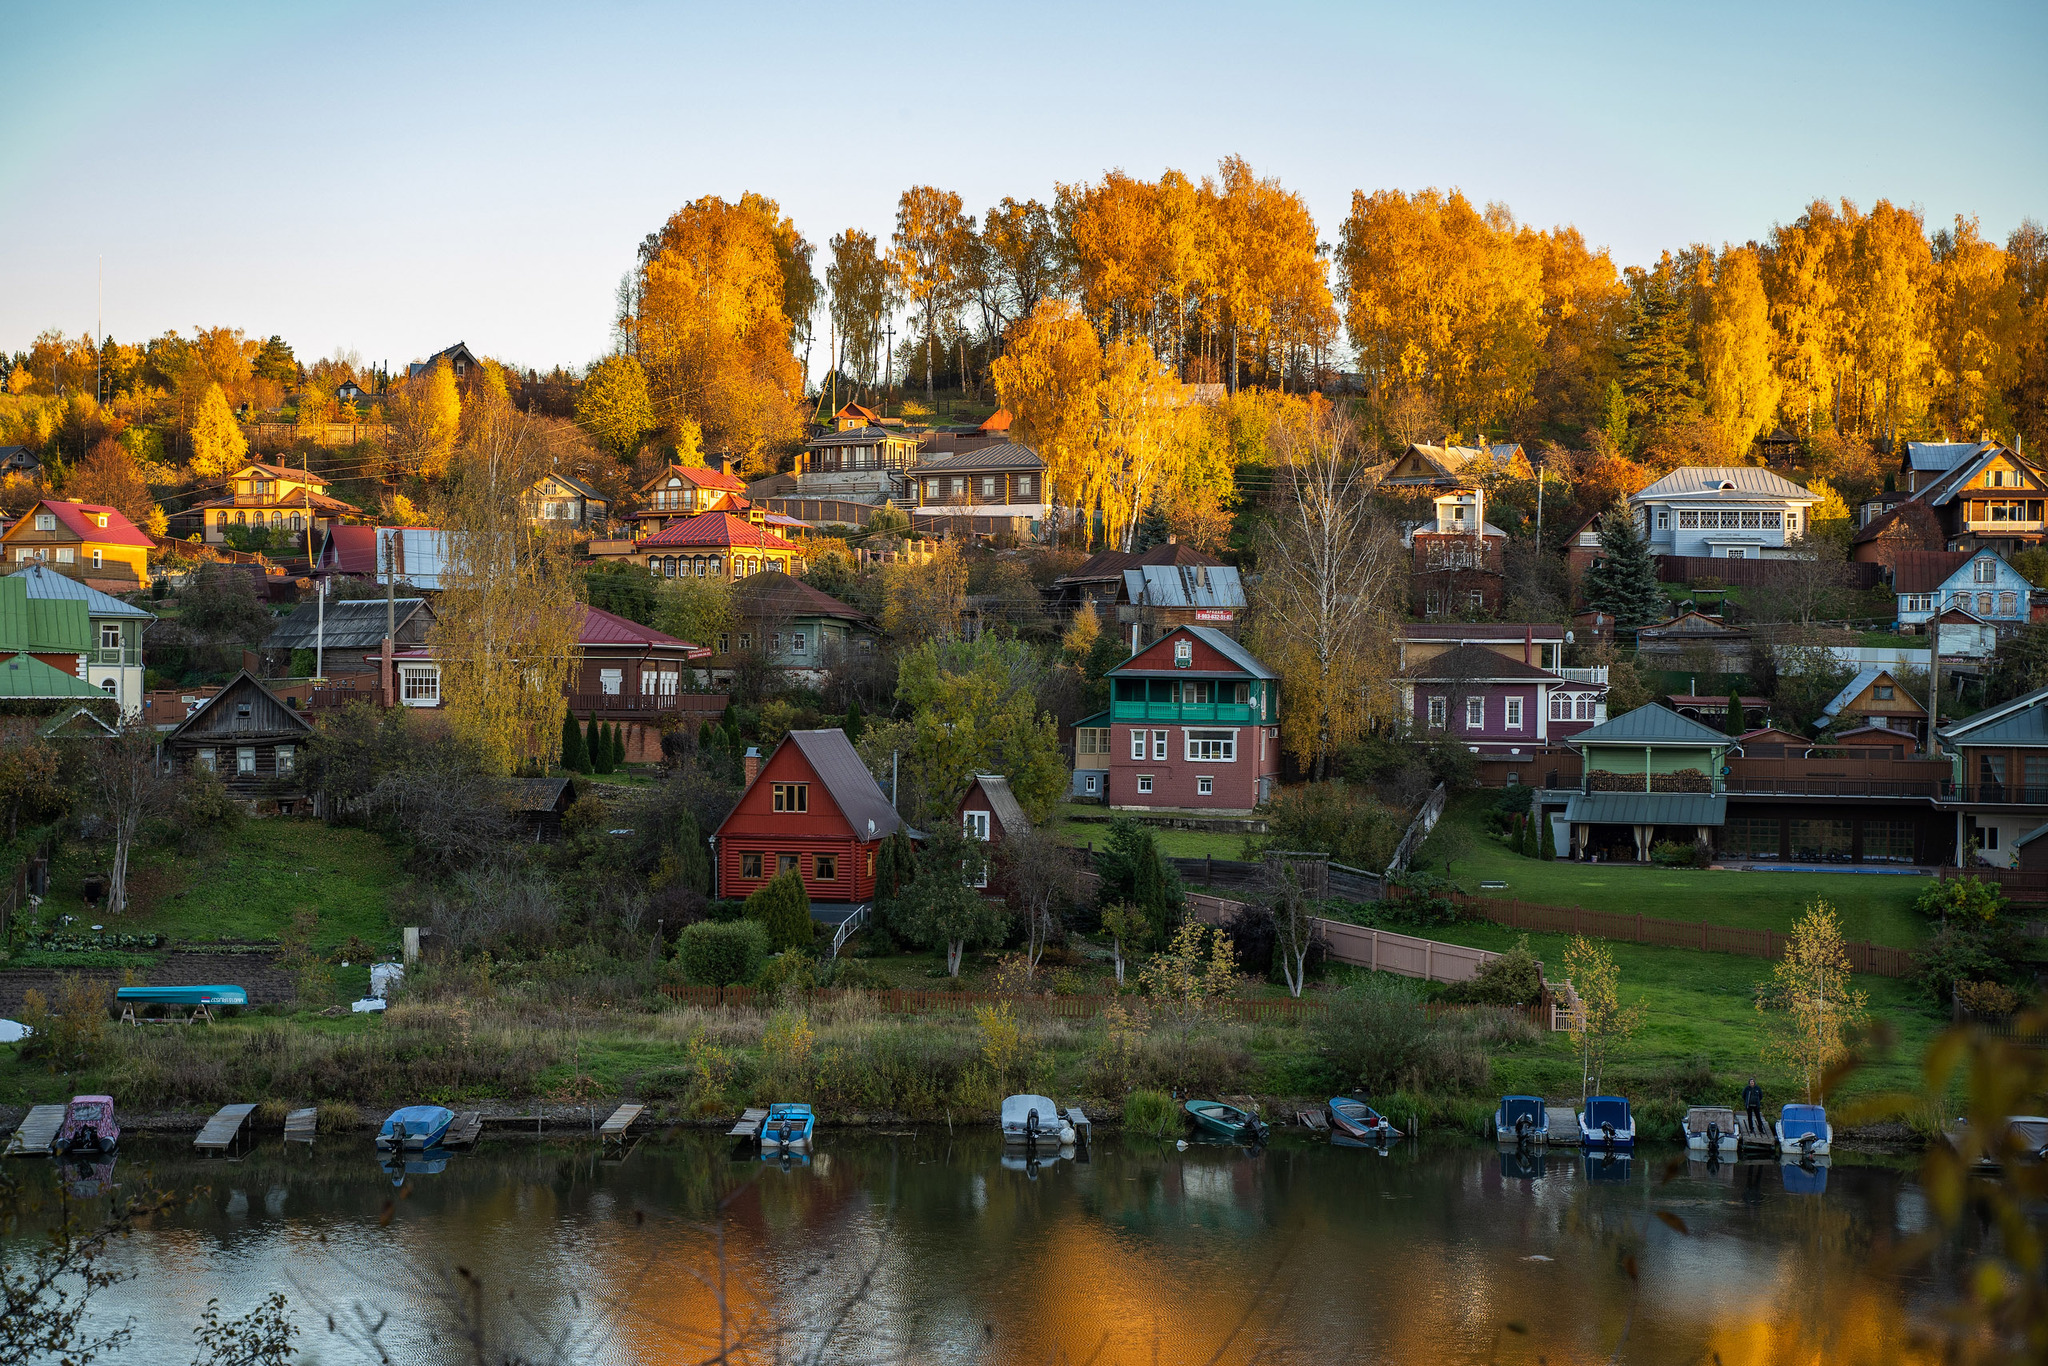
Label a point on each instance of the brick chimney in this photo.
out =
(752, 764)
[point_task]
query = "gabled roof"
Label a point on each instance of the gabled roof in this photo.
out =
(419, 552)
(280, 472)
(1215, 640)
(82, 521)
(997, 421)
(1691, 625)
(1002, 455)
(80, 721)
(847, 781)
(699, 475)
(716, 529)
(1923, 571)
(1944, 489)
(1002, 803)
(1854, 689)
(1651, 724)
(1935, 456)
(459, 351)
(19, 457)
(535, 794)
(860, 436)
(308, 499)
(1539, 633)
(219, 699)
(1962, 618)
(25, 678)
(575, 485)
(1768, 734)
(1461, 462)
(774, 593)
(599, 627)
(353, 624)
(1910, 520)
(1475, 664)
(866, 415)
(1707, 482)
(1108, 566)
(43, 584)
(2022, 721)
(1168, 585)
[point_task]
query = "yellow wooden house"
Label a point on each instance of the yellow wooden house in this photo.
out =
(277, 499)
(86, 541)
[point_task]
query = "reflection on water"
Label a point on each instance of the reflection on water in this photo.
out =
(936, 1248)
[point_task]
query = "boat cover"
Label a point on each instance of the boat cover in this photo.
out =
(1017, 1111)
(184, 996)
(1700, 1116)
(2029, 1131)
(1798, 1119)
(420, 1119)
(1605, 1110)
(788, 1109)
(1514, 1108)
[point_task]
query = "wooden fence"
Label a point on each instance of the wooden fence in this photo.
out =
(2029, 887)
(1877, 959)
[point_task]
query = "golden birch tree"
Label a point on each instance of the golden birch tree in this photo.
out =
(1741, 388)
(507, 620)
(928, 253)
(1139, 399)
(1808, 1008)
(218, 446)
(1975, 314)
(1601, 1022)
(1048, 378)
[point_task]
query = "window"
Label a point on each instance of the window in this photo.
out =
(797, 643)
(206, 759)
(974, 825)
(1205, 787)
(1984, 569)
(1750, 837)
(1437, 706)
(1688, 521)
(1244, 694)
(746, 641)
(1183, 653)
(65, 555)
(245, 759)
(988, 486)
(1983, 604)
(1211, 746)
(750, 865)
(931, 488)
(1919, 602)
(1560, 707)
(1475, 713)
(791, 796)
(1738, 553)
(1791, 523)
(1138, 745)
(46, 521)
(1145, 784)
(785, 863)
(2008, 604)
(1826, 841)
(1988, 838)
(1158, 744)
(99, 559)
(1433, 603)
(825, 867)
(724, 643)
(1887, 841)
(1514, 711)
(959, 485)
(775, 643)
(1023, 486)
(1586, 704)
(1089, 785)
(287, 760)
(1883, 692)
(1476, 600)
(110, 635)
(111, 686)
(1771, 520)
(1663, 519)
(419, 685)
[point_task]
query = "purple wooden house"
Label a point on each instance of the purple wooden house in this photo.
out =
(1500, 706)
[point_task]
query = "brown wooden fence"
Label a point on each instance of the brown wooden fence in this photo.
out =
(2026, 886)
(1877, 959)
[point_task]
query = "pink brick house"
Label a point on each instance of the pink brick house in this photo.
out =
(1500, 707)
(1194, 726)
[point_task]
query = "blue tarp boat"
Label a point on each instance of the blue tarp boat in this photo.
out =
(414, 1127)
(1803, 1130)
(788, 1125)
(1606, 1123)
(1521, 1119)
(183, 996)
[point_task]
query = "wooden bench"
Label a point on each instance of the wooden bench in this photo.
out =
(1313, 1119)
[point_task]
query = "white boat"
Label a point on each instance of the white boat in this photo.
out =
(1803, 1131)
(1035, 1120)
(2024, 1136)
(1711, 1129)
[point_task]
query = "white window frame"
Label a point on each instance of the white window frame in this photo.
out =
(1205, 786)
(1144, 784)
(1159, 746)
(1514, 713)
(1209, 746)
(1475, 713)
(208, 759)
(611, 681)
(1587, 705)
(1984, 569)
(245, 759)
(1183, 649)
(798, 643)
(974, 825)
(2008, 604)
(419, 685)
(110, 635)
(1138, 745)
(287, 760)
(1439, 713)
(1560, 706)
(1663, 519)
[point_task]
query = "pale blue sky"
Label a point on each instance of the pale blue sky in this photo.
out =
(391, 178)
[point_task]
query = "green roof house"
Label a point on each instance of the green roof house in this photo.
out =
(76, 630)
(1650, 775)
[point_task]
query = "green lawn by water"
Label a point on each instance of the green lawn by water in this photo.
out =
(1877, 907)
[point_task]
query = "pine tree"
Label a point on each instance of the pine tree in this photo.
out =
(783, 907)
(1736, 724)
(1546, 839)
(1616, 422)
(1623, 581)
(618, 745)
(597, 746)
(855, 723)
(1152, 528)
(575, 758)
(1657, 367)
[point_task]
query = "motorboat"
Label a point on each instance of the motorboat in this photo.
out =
(788, 1125)
(414, 1128)
(1036, 1121)
(1710, 1129)
(1355, 1119)
(1606, 1123)
(1803, 1130)
(89, 1126)
(1611, 1164)
(1220, 1120)
(2022, 1136)
(1521, 1119)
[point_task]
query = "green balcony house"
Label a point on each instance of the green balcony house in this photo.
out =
(77, 630)
(1193, 727)
(1648, 776)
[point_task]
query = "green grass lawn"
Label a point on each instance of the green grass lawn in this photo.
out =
(247, 885)
(1172, 843)
(1877, 907)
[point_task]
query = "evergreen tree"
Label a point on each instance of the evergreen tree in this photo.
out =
(599, 746)
(1736, 724)
(1152, 528)
(575, 758)
(856, 722)
(1657, 367)
(783, 908)
(1616, 423)
(1546, 839)
(1623, 581)
(618, 745)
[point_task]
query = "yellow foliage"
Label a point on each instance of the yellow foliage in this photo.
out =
(1081, 633)
(18, 380)
(1601, 1021)
(1742, 388)
(1808, 1008)
(1047, 378)
(218, 446)
(924, 601)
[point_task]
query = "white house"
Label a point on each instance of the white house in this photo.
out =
(1983, 585)
(1736, 512)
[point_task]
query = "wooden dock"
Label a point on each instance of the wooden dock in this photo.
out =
(37, 1136)
(301, 1125)
(1564, 1124)
(465, 1131)
(1312, 1119)
(748, 1125)
(1078, 1117)
(221, 1131)
(620, 1121)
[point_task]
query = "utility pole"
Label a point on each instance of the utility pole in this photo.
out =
(888, 364)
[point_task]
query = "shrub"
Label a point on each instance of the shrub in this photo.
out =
(791, 968)
(666, 1083)
(1672, 853)
(72, 1033)
(1133, 872)
(783, 909)
(851, 974)
(1427, 902)
(715, 954)
(1513, 979)
(1333, 818)
(1151, 1113)
(1989, 1000)
(1377, 1037)
(1968, 899)
(1960, 951)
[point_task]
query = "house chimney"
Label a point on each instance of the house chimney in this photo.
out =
(752, 764)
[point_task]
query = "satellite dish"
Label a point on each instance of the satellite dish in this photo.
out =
(871, 827)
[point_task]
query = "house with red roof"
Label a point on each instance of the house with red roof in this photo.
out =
(812, 808)
(86, 541)
(1194, 727)
(682, 491)
(714, 544)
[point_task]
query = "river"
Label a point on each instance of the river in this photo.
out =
(931, 1247)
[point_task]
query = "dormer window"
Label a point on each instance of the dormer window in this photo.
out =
(103, 521)
(1727, 487)
(1183, 653)
(46, 521)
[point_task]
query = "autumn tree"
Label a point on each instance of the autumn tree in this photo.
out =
(1047, 378)
(507, 620)
(973, 708)
(218, 446)
(1975, 312)
(1741, 386)
(1040, 880)
(1330, 589)
(862, 291)
(128, 788)
(613, 406)
(1186, 979)
(931, 248)
(426, 422)
(942, 907)
(924, 601)
(1808, 1009)
(1601, 1022)
(1019, 260)
(108, 476)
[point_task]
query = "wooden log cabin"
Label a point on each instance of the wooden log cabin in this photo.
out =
(812, 807)
(256, 743)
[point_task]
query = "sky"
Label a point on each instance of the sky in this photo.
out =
(388, 179)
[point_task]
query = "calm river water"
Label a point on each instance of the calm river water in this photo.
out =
(930, 1247)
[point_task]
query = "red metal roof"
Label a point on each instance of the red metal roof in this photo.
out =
(698, 475)
(81, 520)
(716, 529)
(600, 627)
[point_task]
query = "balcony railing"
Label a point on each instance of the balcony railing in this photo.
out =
(1996, 794)
(117, 655)
(1596, 673)
(1771, 786)
(1995, 526)
(645, 703)
(1242, 713)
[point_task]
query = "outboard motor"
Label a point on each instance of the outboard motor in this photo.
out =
(1607, 1128)
(1031, 1128)
(1713, 1135)
(1806, 1142)
(1523, 1126)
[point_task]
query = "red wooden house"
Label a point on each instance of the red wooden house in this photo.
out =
(813, 806)
(1194, 726)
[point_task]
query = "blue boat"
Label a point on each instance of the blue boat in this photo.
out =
(414, 1128)
(1610, 1165)
(1805, 1176)
(1606, 1123)
(183, 996)
(1521, 1119)
(1803, 1131)
(1355, 1119)
(788, 1125)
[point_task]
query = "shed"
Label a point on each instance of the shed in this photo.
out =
(989, 810)
(539, 804)
(247, 735)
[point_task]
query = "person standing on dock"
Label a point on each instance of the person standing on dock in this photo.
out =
(1753, 1102)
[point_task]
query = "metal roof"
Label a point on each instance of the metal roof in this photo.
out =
(1005, 455)
(355, 623)
(1475, 664)
(853, 789)
(46, 583)
(1542, 633)
(1940, 455)
(1647, 808)
(2025, 728)
(28, 679)
(1706, 481)
(48, 626)
(1651, 724)
(774, 593)
(1974, 730)
(1002, 803)
(1215, 640)
(1173, 585)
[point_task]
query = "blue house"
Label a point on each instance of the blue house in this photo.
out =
(1983, 585)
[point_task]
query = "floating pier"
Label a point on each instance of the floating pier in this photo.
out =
(301, 1125)
(621, 1120)
(221, 1131)
(748, 1125)
(1564, 1124)
(37, 1136)
(465, 1131)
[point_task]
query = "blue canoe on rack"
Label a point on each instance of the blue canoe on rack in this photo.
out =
(183, 996)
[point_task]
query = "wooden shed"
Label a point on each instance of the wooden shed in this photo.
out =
(253, 740)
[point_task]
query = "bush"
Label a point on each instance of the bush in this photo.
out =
(1342, 821)
(783, 909)
(1967, 899)
(1672, 853)
(72, 1033)
(1960, 951)
(1427, 902)
(722, 954)
(1987, 1000)
(790, 968)
(1374, 1035)
(1151, 1113)
(1513, 979)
